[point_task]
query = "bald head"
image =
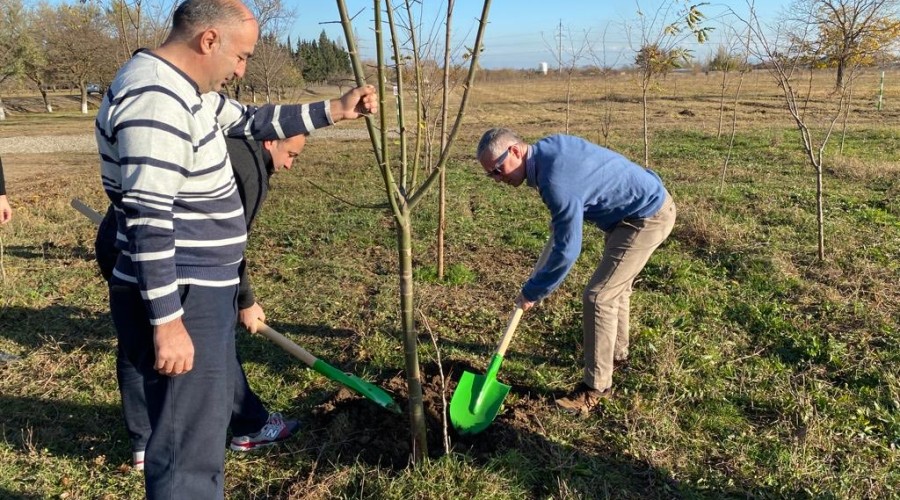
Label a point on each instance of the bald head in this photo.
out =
(194, 16)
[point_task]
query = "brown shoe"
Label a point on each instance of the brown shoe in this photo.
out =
(582, 400)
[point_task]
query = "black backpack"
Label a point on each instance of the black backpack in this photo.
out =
(105, 244)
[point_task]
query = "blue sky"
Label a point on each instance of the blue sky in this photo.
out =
(519, 32)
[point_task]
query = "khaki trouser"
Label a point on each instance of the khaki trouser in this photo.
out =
(607, 297)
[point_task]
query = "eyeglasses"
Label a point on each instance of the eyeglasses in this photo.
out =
(498, 165)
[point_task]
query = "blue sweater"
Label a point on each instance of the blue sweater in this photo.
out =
(166, 170)
(580, 181)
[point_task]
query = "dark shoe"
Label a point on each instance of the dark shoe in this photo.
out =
(276, 429)
(582, 400)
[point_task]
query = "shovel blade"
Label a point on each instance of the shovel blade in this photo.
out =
(475, 402)
(368, 390)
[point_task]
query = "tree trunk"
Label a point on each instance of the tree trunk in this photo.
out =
(646, 129)
(722, 104)
(84, 106)
(737, 94)
(839, 79)
(568, 99)
(820, 209)
(846, 118)
(419, 445)
(2, 110)
(46, 99)
(442, 222)
(445, 111)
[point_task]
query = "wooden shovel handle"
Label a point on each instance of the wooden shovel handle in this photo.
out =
(286, 344)
(87, 211)
(510, 330)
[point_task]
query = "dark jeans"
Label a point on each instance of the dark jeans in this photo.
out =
(187, 415)
(248, 413)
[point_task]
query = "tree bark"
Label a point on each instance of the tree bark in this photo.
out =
(722, 103)
(46, 99)
(820, 210)
(646, 129)
(445, 110)
(419, 444)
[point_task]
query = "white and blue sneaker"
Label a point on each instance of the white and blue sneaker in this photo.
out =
(277, 429)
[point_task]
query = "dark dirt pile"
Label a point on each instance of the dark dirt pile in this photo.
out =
(351, 427)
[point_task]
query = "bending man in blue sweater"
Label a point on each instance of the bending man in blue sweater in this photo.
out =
(579, 181)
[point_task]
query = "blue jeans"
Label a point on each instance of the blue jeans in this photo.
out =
(187, 416)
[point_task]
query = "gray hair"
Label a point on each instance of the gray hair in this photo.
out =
(496, 140)
(192, 16)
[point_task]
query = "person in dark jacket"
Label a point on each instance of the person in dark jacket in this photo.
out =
(253, 163)
(5, 209)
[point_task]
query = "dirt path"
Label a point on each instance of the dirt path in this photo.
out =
(31, 158)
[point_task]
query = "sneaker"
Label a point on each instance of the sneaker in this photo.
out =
(582, 400)
(276, 429)
(137, 461)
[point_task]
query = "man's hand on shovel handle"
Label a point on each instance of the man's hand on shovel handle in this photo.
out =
(524, 303)
(251, 317)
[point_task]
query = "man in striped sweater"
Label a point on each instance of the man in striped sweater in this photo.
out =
(173, 291)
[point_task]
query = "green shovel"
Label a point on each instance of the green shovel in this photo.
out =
(478, 398)
(369, 391)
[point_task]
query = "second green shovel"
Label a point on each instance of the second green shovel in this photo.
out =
(478, 398)
(370, 391)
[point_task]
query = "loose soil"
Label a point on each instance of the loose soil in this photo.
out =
(350, 427)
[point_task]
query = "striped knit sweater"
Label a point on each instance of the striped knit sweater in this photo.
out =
(165, 167)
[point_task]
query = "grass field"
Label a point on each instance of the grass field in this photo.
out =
(756, 371)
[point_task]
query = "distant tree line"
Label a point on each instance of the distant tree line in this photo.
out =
(81, 44)
(322, 60)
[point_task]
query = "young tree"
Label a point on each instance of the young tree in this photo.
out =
(786, 52)
(657, 46)
(567, 56)
(434, 82)
(271, 67)
(403, 197)
(743, 66)
(606, 75)
(725, 60)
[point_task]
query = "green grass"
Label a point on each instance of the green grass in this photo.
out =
(755, 370)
